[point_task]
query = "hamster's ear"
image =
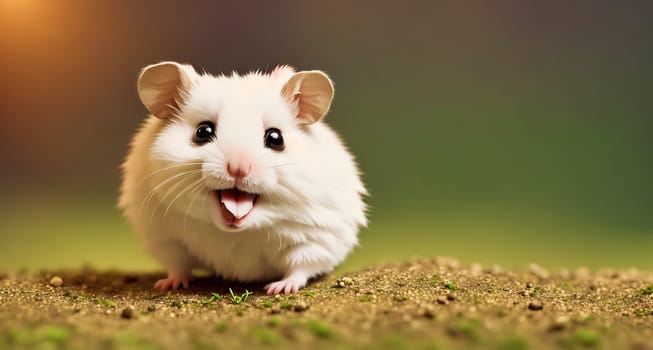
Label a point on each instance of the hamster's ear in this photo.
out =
(164, 85)
(310, 93)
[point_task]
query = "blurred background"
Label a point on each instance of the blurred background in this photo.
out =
(503, 132)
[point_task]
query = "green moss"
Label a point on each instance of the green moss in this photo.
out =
(286, 306)
(273, 322)
(513, 343)
(221, 327)
(365, 298)
(643, 312)
(130, 340)
(648, 290)
(536, 291)
(585, 319)
(74, 296)
(395, 341)
(266, 304)
(211, 299)
(197, 344)
(17, 336)
(319, 329)
(54, 334)
(265, 336)
(435, 280)
(309, 293)
(584, 337)
(468, 329)
(106, 302)
(450, 286)
(176, 304)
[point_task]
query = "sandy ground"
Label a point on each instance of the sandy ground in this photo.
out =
(425, 304)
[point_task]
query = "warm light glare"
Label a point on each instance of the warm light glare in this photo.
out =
(18, 7)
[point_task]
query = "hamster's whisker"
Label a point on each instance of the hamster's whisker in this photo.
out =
(171, 191)
(198, 190)
(217, 175)
(285, 194)
(160, 186)
(187, 189)
(206, 195)
(170, 185)
(282, 165)
(275, 230)
(167, 168)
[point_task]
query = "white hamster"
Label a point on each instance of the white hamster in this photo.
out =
(239, 175)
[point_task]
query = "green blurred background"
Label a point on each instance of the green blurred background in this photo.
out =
(500, 132)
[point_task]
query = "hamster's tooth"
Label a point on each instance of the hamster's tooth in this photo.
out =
(243, 207)
(232, 206)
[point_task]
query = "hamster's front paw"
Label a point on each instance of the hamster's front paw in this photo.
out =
(174, 281)
(287, 285)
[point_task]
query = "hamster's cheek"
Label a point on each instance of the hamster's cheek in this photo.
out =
(174, 144)
(297, 147)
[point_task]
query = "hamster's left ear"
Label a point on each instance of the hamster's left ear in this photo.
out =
(310, 93)
(163, 86)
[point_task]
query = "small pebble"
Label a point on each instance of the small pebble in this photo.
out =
(127, 313)
(476, 269)
(129, 279)
(538, 271)
(525, 293)
(400, 297)
(560, 323)
(56, 281)
(451, 297)
(496, 269)
(151, 308)
(275, 309)
(581, 273)
(441, 300)
(535, 305)
(427, 312)
(301, 306)
(529, 285)
(347, 280)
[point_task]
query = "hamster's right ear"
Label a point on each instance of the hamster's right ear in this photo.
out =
(164, 85)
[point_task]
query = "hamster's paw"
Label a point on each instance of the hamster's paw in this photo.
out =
(174, 281)
(287, 285)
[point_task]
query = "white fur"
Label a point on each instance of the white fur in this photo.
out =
(307, 218)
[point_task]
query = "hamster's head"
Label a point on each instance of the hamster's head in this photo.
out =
(246, 139)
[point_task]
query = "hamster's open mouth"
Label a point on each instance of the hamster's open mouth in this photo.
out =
(235, 205)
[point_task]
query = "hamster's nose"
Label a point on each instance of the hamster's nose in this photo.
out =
(239, 169)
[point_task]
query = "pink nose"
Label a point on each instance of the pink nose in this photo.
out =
(240, 169)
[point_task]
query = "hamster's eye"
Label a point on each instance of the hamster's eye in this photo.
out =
(273, 139)
(205, 133)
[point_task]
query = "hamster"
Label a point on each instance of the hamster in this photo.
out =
(240, 175)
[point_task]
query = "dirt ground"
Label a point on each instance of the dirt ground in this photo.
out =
(425, 304)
